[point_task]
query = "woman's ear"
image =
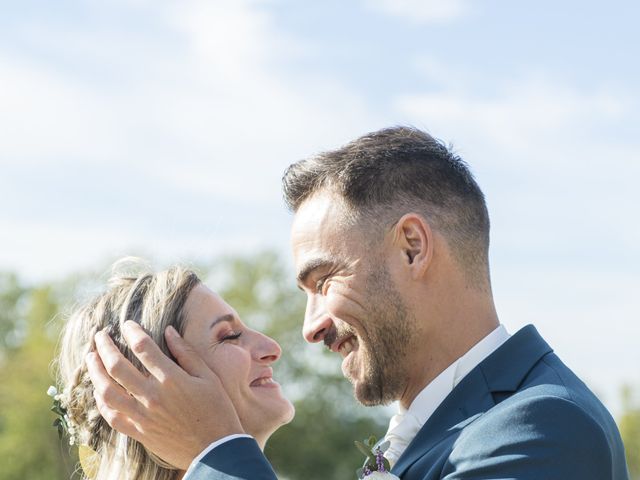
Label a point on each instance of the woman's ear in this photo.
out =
(415, 239)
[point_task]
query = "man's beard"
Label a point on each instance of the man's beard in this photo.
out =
(384, 351)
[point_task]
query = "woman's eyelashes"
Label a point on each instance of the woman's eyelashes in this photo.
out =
(233, 335)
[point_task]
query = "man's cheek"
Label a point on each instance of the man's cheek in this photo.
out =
(336, 303)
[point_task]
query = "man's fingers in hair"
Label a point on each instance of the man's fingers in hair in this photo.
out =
(186, 356)
(117, 366)
(107, 392)
(154, 360)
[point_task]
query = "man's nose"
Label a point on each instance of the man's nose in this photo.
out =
(317, 323)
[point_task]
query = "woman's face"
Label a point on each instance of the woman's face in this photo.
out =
(242, 358)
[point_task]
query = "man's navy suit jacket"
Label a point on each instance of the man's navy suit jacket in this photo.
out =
(519, 415)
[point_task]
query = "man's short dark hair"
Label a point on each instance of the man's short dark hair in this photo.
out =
(385, 174)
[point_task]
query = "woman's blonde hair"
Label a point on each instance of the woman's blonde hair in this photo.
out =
(153, 300)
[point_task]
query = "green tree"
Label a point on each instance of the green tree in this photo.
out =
(29, 445)
(11, 296)
(629, 423)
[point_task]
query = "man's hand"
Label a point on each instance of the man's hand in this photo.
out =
(175, 413)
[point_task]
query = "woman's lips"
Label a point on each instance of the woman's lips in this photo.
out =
(263, 382)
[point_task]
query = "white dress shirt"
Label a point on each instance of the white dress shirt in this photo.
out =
(404, 426)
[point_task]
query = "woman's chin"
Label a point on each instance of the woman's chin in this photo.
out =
(291, 413)
(280, 409)
(271, 420)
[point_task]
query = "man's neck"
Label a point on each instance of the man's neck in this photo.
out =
(437, 359)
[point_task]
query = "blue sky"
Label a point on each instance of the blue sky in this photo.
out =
(165, 126)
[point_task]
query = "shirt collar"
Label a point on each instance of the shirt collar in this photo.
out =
(430, 398)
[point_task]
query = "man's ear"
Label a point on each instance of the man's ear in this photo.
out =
(415, 239)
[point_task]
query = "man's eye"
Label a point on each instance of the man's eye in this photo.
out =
(231, 336)
(320, 284)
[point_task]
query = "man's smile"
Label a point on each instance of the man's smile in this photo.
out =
(346, 346)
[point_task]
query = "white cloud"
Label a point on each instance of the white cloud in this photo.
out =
(539, 150)
(423, 11)
(214, 93)
(45, 115)
(239, 105)
(524, 114)
(44, 250)
(199, 104)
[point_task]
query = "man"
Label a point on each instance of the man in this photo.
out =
(390, 240)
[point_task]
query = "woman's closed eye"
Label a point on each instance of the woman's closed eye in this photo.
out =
(234, 335)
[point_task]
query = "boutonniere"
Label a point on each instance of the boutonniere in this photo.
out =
(375, 467)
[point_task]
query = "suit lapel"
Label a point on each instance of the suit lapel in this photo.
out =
(507, 367)
(503, 371)
(470, 398)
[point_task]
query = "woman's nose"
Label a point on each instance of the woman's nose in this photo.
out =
(268, 350)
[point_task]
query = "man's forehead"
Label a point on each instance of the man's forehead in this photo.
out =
(320, 236)
(314, 224)
(318, 209)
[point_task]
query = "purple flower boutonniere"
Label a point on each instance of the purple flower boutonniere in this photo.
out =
(375, 467)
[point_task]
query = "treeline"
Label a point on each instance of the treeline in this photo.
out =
(317, 445)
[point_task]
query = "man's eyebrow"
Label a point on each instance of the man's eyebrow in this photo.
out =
(228, 317)
(312, 265)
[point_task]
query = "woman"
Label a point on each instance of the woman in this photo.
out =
(173, 297)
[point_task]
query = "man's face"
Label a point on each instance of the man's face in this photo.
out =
(353, 305)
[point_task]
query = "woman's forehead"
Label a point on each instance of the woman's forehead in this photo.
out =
(203, 303)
